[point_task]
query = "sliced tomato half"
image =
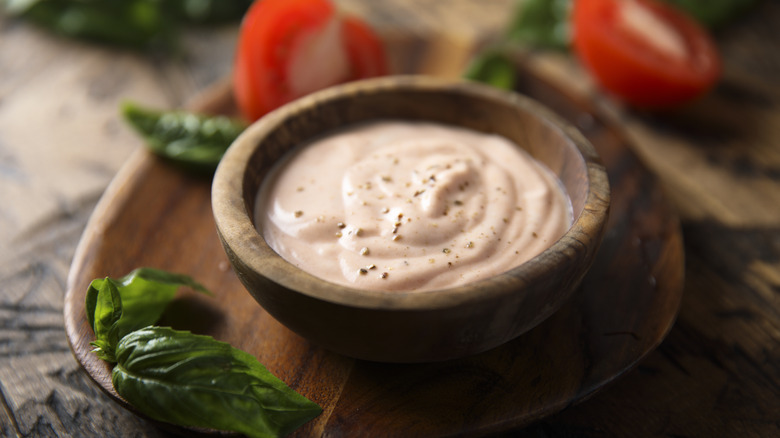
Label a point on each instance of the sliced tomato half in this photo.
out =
(644, 51)
(289, 48)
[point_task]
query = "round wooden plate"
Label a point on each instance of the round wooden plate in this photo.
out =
(154, 215)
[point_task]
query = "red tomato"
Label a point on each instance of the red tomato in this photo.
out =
(289, 48)
(644, 51)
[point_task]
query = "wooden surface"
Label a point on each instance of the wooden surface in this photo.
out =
(716, 374)
(625, 307)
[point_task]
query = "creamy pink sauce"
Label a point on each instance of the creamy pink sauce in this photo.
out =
(406, 206)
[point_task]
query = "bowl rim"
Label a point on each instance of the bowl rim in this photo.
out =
(240, 237)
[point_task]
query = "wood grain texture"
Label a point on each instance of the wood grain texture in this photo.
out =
(717, 372)
(625, 307)
(61, 142)
(50, 180)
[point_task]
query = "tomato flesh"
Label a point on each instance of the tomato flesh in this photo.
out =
(289, 48)
(645, 52)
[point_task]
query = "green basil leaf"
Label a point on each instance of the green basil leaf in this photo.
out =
(116, 307)
(541, 23)
(193, 380)
(107, 311)
(146, 276)
(206, 11)
(138, 24)
(195, 141)
(493, 68)
(131, 23)
(713, 13)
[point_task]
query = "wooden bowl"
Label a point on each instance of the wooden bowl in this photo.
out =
(412, 326)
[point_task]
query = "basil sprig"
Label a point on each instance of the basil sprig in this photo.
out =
(116, 307)
(193, 380)
(180, 377)
(194, 141)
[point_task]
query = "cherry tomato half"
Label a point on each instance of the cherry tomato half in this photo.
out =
(289, 48)
(645, 52)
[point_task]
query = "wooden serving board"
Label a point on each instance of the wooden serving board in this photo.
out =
(154, 215)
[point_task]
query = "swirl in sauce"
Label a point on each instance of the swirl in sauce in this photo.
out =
(397, 205)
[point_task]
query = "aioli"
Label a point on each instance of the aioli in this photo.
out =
(407, 206)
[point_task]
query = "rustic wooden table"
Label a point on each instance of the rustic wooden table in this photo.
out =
(716, 374)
